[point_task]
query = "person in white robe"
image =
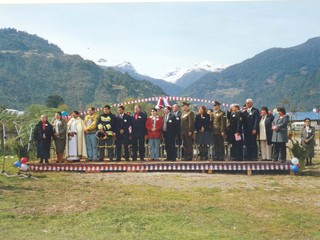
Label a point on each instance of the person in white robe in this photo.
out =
(76, 145)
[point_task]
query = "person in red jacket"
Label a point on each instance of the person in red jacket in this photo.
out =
(154, 128)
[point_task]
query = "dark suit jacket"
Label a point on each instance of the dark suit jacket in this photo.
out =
(139, 126)
(178, 117)
(268, 126)
(202, 122)
(252, 120)
(236, 122)
(173, 125)
(123, 123)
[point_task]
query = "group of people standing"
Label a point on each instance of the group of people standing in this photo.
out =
(242, 129)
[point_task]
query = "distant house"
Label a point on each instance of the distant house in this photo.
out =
(300, 116)
(13, 111)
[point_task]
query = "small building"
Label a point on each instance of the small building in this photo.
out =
(300, 116)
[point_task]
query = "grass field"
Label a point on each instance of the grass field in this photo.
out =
(161, 206)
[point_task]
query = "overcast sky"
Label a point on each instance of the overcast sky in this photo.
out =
(157, 37)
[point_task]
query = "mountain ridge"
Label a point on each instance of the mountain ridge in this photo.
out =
(274, 76)
(28, 75)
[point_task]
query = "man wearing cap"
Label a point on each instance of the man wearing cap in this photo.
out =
(187, 129)
(106, 125)
(251, 130)
(218, 131)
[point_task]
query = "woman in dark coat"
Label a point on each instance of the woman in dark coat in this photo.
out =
(203, 137)
(307, 140)
(42, 136)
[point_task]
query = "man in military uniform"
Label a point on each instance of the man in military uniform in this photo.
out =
(218, 130)
(186, 130)
(236, 124)
(106, 125)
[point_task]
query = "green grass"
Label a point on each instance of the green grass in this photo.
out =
(140, 206)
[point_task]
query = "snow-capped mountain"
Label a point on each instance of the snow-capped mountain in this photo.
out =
(185, 76)
(124, 67)
(128, 68)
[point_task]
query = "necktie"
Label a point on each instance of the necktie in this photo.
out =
(165, 123)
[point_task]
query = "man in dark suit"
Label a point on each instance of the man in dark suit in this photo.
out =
(123, 122)
(251, 130)
(139, 131)
(177, 114)
(235, 128)
(170, 129)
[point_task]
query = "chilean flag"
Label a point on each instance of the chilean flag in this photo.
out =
(162, 102)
